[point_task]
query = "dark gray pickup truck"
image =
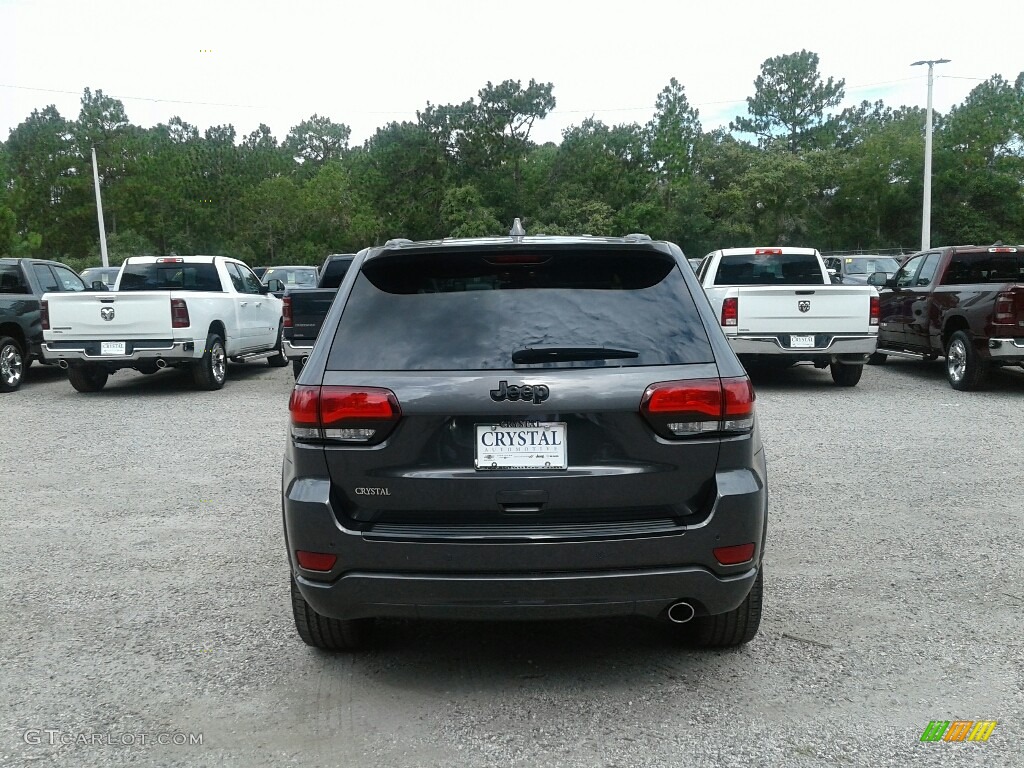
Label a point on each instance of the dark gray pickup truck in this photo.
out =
(22, 282)
(306, 308)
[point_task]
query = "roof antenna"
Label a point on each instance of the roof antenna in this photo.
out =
(517, 229)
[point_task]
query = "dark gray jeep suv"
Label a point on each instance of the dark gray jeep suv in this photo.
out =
(524, 428)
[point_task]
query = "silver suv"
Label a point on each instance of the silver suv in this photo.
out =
(524, 428)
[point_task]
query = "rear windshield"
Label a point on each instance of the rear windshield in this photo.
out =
(861, 266)
(179, 277)
(335, 272)
(769, 269)
(465, 312)
(967, 268)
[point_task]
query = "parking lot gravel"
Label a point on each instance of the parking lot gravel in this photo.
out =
(144, 587)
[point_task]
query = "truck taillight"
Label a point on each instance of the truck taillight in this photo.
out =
(875, 312)
(286, 311)
(731, 311)
(700, 406)
(44, 314)
(179, 314)
(1005, 311)
(1002, 249)
(768, 251)
(343, 414)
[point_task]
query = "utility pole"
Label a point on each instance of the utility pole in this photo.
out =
(99, 210)
(926, 217)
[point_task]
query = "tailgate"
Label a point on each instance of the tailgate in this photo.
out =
(309, 309)
(815, 309)
(109, 315)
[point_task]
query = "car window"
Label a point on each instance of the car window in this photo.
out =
(47, 281)
(769, 269)
(906, 274)
(250, 282)
(169, 275)
(335, 272)
(69, 281)
(968, 268)
(236, 277)
(927, 272)
(472, 311)
(11, 280)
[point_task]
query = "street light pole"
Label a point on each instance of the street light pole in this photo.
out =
(99, 210)
(926, 217)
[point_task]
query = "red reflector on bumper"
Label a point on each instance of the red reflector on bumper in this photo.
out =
(735, 555)
(317, 561)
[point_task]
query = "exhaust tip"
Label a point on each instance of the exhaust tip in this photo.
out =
(63, 365)
(681, 612)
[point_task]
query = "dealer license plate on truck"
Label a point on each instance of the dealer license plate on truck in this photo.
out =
(802, 342)
(112, 347)
(521, 445)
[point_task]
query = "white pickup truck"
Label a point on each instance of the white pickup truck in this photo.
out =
(778, 306)
(182, 311)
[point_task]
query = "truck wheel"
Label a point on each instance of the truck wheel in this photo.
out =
(326, 633)
(211, 371)
(846, 375)
(12, 364)
(964, 369)
(278, 360)
(729, 629)
(87, 378)
(877, 358)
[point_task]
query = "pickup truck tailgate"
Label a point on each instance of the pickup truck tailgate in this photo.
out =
(822, 309)
(309, 310)
(110, 315)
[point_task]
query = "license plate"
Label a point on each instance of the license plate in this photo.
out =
(521, 445)
(802, 342)
(112, 347)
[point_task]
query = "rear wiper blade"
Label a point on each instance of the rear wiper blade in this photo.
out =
(565, 354)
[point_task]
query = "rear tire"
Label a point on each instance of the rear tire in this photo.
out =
(211, 371)
(965, 370)
(846, 375)
(877, 358)
(278, 360)
(13, 364)
(87, 378)
(730, 629)
(326, 633)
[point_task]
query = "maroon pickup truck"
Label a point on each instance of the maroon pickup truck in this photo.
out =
(964, 302)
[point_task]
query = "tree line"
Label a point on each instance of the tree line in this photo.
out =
(794, 170)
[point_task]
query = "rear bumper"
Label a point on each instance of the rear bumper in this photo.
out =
(825, 344)
(1006, 350)
(295, 352)
(142, 349)
(528, 576)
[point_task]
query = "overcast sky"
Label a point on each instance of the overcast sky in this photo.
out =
(367, 63)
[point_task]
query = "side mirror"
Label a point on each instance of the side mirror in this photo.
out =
(832, 272)
(99, 285)
(273, 285)
(879, 280)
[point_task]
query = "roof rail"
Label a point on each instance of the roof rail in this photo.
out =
(397, 242)
(637, 237)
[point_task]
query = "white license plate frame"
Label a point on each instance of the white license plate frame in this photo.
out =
(546, 451)
(113, 348)
(801, 340)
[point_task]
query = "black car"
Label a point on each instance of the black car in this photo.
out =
(524, 428)
(259, 271)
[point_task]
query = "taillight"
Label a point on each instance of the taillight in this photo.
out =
(875, 312)
(734, 555)
(731, 311)
(700, 406)
(1002, 249)
(315, 561)
(286, 312)
(44, 314)
(768, 251)
(1005, 312)
(179, 314)
(343, 414)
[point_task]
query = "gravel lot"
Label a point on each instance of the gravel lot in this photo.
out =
(144, 586)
